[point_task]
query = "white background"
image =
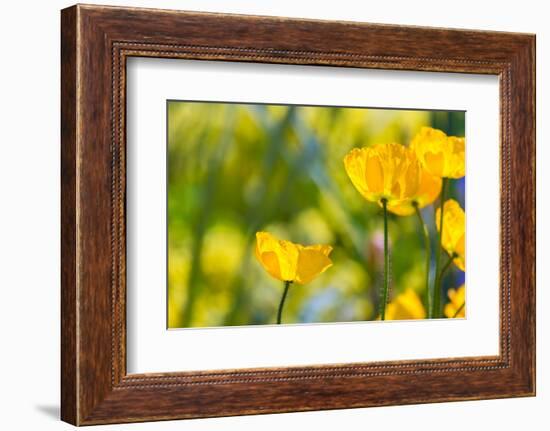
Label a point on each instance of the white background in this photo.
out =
(151, 348)
(29, 215)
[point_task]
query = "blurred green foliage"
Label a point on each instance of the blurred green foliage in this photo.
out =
(234, 169)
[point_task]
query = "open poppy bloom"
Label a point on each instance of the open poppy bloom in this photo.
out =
(456, 306)
(406, 306)
(428, 191)
(439, 154)
(384, 171)
(290, 262)
(454, 231)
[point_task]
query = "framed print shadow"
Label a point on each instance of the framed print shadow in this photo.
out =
(281, 220)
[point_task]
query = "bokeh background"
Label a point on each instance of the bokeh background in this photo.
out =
(234, 169)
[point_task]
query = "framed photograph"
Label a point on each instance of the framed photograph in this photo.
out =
(265, 215)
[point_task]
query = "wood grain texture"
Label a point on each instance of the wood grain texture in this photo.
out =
(69, 397)
(96, 41)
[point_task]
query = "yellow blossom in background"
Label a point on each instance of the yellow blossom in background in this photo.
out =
(428, 191)
(456, 307)
(222, 251)
(454, 231)
(287, 261)
(384, 171)
(441, 155)
(406, 306)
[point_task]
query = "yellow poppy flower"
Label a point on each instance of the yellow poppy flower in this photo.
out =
(384, 171)
(454, 231)
(456, 305)
(287, 261)
(406, 306)
(441, 155)
(428, 191)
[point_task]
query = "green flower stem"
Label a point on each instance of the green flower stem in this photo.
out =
(384, 301)
(282, 303)
(436, 290)
(446, 267)
(439, 279)
(459, 309)
(428, 256)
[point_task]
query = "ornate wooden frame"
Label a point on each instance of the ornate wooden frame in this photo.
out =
(95, 42)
